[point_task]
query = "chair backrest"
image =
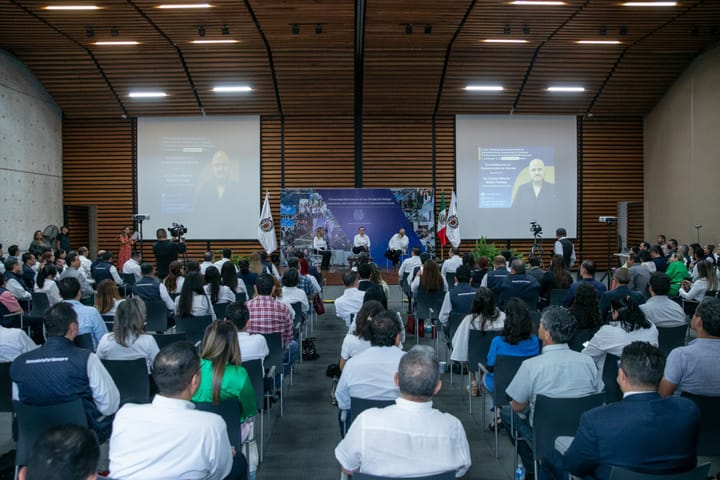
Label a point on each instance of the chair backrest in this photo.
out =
(359, 405)
(699, 473)
(425, 301)
(479, 346)
(438, 476)
(109, 322)
(254, 369)
(131, 378)
(404, 286)
(671, 337)
(34, 420)
(454, 322)
(12, 320)
(558, 416)
(194, 327)
(450, 279)
(299, 314)
(557, 295)
(610, 371)
(581, 336)
(505, 369)
(128, 279)
(229, 410)
(5, 387)
(535, 319)
(275, 357)
(220, 309)
(85, 341)
(156, 316)
(168, 338)
(241, 297)
(709, 440)
(40, 304)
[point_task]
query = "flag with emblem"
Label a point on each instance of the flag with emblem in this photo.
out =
(266, 227)
(453, 225)
(442, 222)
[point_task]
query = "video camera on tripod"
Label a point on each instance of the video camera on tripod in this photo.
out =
(536, 229)
(177, 230)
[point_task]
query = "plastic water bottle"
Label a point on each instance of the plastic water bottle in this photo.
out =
(428, 327)
(520, 472)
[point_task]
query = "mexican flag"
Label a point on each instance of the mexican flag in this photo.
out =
(442, 222)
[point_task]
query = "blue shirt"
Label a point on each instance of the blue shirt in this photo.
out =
(525, 348)
(89, 321)
(599, 287)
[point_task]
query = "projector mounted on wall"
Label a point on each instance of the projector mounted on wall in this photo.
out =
(607, 219)
(141, 217)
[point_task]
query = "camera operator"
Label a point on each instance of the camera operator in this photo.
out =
(166, 250)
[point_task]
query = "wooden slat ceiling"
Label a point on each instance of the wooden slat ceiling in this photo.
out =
(311, 73)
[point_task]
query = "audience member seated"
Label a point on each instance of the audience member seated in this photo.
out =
(658, 258)
(46, 284)
(207, 261)
(369, 374)
(408, 266)
(477, 269)
(29, 265)
(620, 281)
(217, 292)
(677, 272)
(460, 297)
(429, 280)
(535, 271)
(706, 281)
(149, 288)
(132, 266)
(226, 257)
(558, 277)
(193, 301)
(484, 316)
(556, 372)
(85, 262)
(105, 270)
(494, 277)
(587, 275)
(519, 284)
(59, 372)
(13, 279)
(321, 248)
(13, 341)
(358, 340)
(291, 293)
(351, 300)
(306, 283)
(229, 278)
(67, 452)
(252, 346)
(433, 442)
(639, 275)
(646, 261)
(73, 271)
(169, 438)
(643, 433)
(659, 309)
(107, 297)
(694, 368)
(222, 376)
(173, 282)
(247, 276)
(627, 324)
(269, 315)
(453, 262)
(8, 303)
(517, 340)
(364, 271)
(128, 341)
(88, 318)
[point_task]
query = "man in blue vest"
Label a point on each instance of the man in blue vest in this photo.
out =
(60, 372)
(460, 297)
(494, 278)
(105, 270)
(148, 287)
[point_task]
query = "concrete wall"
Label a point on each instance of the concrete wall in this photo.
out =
(30, 155)
(682, 156)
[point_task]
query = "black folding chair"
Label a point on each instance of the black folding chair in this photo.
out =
(109, 321)
(274, 363)
(438, 476)
(194, 327)
(85, 341)
(671, 337)
(166, 339)
(698, 473)
(609, 377)
(478, 348)
(240, 297)
(220, 309)
(5, 387)
(359, 405)
(156, 316)
(229, 410)
(254, 369)
(709, 441)
(131, 378)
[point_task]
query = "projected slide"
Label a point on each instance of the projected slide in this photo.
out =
(515, 170)
(202, 173)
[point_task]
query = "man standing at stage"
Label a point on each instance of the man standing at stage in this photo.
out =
(166, 251)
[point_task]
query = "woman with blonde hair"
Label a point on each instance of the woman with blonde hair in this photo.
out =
(174, 281)
(127, 341)
(256, 265)
(107, 297)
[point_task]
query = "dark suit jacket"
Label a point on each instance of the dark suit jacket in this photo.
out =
(643, 433)
(620, 292)
(165, 252)
(523, 286)
(28, 277)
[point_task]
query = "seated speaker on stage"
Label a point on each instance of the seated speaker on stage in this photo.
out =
(361, 242)
(397, 246)
(321, 248)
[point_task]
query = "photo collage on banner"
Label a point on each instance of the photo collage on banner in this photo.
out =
(341, 212)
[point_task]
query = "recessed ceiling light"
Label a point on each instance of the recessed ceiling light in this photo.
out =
(232, 88)
(185, 5)
(598, 42)
(214, 41)
(649, 4)
(72, 7)
(566, 89)
(537, 2)
(118, 43)
(147, 94)
(484, 88)
(504, 40)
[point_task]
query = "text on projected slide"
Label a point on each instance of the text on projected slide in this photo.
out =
(503, 169)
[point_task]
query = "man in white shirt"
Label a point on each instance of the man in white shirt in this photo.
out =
(13, 272)
(397, 246)
(361, 242)
(659, 309)
(437, 439)
(14, 342)
(451, 264)
(132, 266)
(351, 300)
(369, 374)
(85, 262)
(252, 346)
(169, 438)
(207, 261)
(226, 257)
(408, 266)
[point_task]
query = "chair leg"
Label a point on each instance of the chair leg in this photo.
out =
(282, 393)
(469, 391)
(262, 435)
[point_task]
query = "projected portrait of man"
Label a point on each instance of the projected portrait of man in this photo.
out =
(537, 195)
(220, 190)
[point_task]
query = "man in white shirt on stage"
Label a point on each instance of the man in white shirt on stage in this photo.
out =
(437, 440)
(397, 247)
(169, 438)
(361, 242)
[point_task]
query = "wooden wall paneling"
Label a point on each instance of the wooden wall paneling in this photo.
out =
(76, 219)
